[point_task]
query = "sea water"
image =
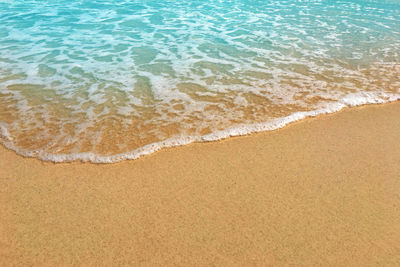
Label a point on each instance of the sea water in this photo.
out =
(104, 81)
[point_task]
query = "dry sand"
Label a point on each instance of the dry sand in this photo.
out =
(321, 191)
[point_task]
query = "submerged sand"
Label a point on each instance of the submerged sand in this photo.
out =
(322, 191)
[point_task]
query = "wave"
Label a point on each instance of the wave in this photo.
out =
(350, 100)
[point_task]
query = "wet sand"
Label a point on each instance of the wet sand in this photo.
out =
(323, 191)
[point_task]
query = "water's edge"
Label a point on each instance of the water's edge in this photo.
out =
(352, 100)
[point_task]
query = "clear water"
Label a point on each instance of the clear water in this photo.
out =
(111, 80)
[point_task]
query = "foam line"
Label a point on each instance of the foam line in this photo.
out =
(351, 100)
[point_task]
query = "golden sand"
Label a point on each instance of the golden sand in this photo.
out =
(321, 191)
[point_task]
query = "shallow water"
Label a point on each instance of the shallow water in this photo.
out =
(110, 80)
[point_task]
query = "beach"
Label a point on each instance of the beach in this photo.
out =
(321, 191)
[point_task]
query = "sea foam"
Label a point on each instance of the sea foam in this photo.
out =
(351, 100)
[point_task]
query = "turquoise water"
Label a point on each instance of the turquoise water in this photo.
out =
(110, 80)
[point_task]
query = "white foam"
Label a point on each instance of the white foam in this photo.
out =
(350, 100)
(5, 134)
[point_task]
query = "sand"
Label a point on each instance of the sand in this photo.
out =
(322, 191)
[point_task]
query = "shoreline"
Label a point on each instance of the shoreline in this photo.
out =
(237, 131)
(322, 190)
